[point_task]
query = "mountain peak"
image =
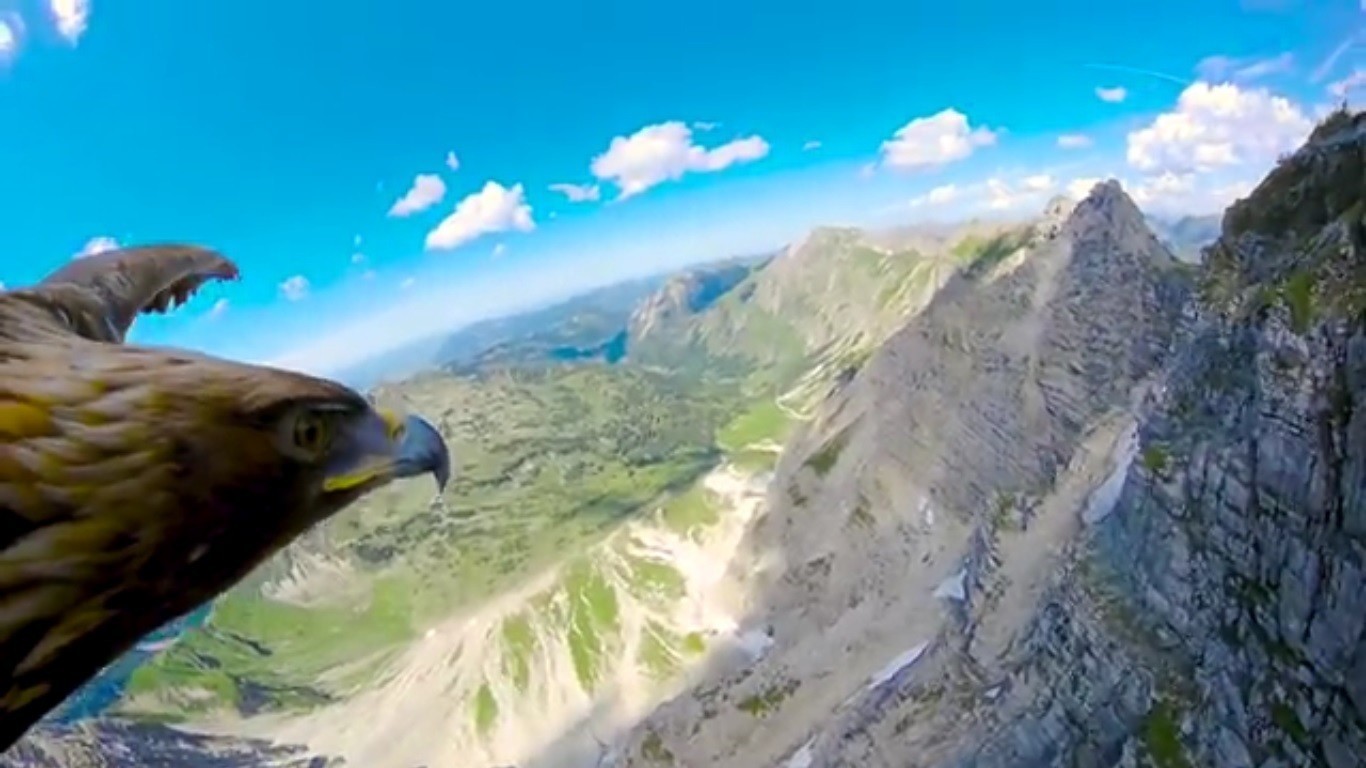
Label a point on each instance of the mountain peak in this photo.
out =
(1299, 230)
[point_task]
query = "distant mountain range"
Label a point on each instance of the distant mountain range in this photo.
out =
(1187, 235)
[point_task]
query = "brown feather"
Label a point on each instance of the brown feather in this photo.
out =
(135, 483)
(98, 297)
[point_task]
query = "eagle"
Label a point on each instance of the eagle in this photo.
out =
(137, 483)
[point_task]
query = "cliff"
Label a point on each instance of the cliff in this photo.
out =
(1077, 514)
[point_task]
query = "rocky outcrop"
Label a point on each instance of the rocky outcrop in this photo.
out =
(1175, 582)
(916, 529)
(110, 743)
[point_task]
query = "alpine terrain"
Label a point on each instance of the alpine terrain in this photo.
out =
(1029, 493)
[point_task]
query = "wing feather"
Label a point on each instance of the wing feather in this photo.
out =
(119, 284)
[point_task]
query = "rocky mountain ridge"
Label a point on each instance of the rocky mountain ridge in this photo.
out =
(1057, 499)
(911, 522)
(1107, 523)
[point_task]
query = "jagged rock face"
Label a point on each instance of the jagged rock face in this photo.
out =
(918, 520)
(114, 744)
(1246, 528)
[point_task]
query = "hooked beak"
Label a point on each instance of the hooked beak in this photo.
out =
(384, 446)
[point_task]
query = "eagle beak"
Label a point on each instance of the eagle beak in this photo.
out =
(385, 446)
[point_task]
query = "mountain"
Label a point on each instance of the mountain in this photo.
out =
(985, 495)
(684, 296)
(943, 473)
(818, 308)
(1188, 235)
(1098, 509)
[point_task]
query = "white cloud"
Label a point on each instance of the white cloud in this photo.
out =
(995, 193)
(408, 282)
(810, 145)
(1214, 126)
(452, 162)
(295, 288)
(1074, 141)
(71, 17)
(665, 152)
(1078, 189)
(1246, 69)
(940, 195)
(704, 126)
(11, 35)
(494, 208)
(1112, 95)
(1029, 192)
(96, 245)
(358, 258)
(499, 250)
(939, 139)
(578, 193)
(427, 190)
(1341, 89)
(1189, 193)
(219, 307)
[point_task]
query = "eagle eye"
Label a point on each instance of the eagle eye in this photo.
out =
(310, 433)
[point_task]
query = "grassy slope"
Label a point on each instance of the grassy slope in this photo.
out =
(550, 461)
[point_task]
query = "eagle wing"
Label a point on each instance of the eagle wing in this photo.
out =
(100, 296)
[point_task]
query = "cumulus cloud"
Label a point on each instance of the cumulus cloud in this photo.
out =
(936, 140)
(427, 190)
(1074, 141)
(11, 36)
(578, 193)
(494, 208)
(1081, 187)
(96, 245)
(665, 152)
(1218, 126)
(71, 17)
(1112, 95)
(295, 288)
(810, 145)
(1028, 192)
(219, 307)
(995, 193)
(945, 193)
(452, 162)
(1246, 69)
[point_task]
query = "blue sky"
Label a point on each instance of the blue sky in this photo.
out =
(284, 134)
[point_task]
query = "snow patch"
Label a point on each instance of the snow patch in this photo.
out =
(1103, 499)
(803, 757)
(896, 665)
(954, 587)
